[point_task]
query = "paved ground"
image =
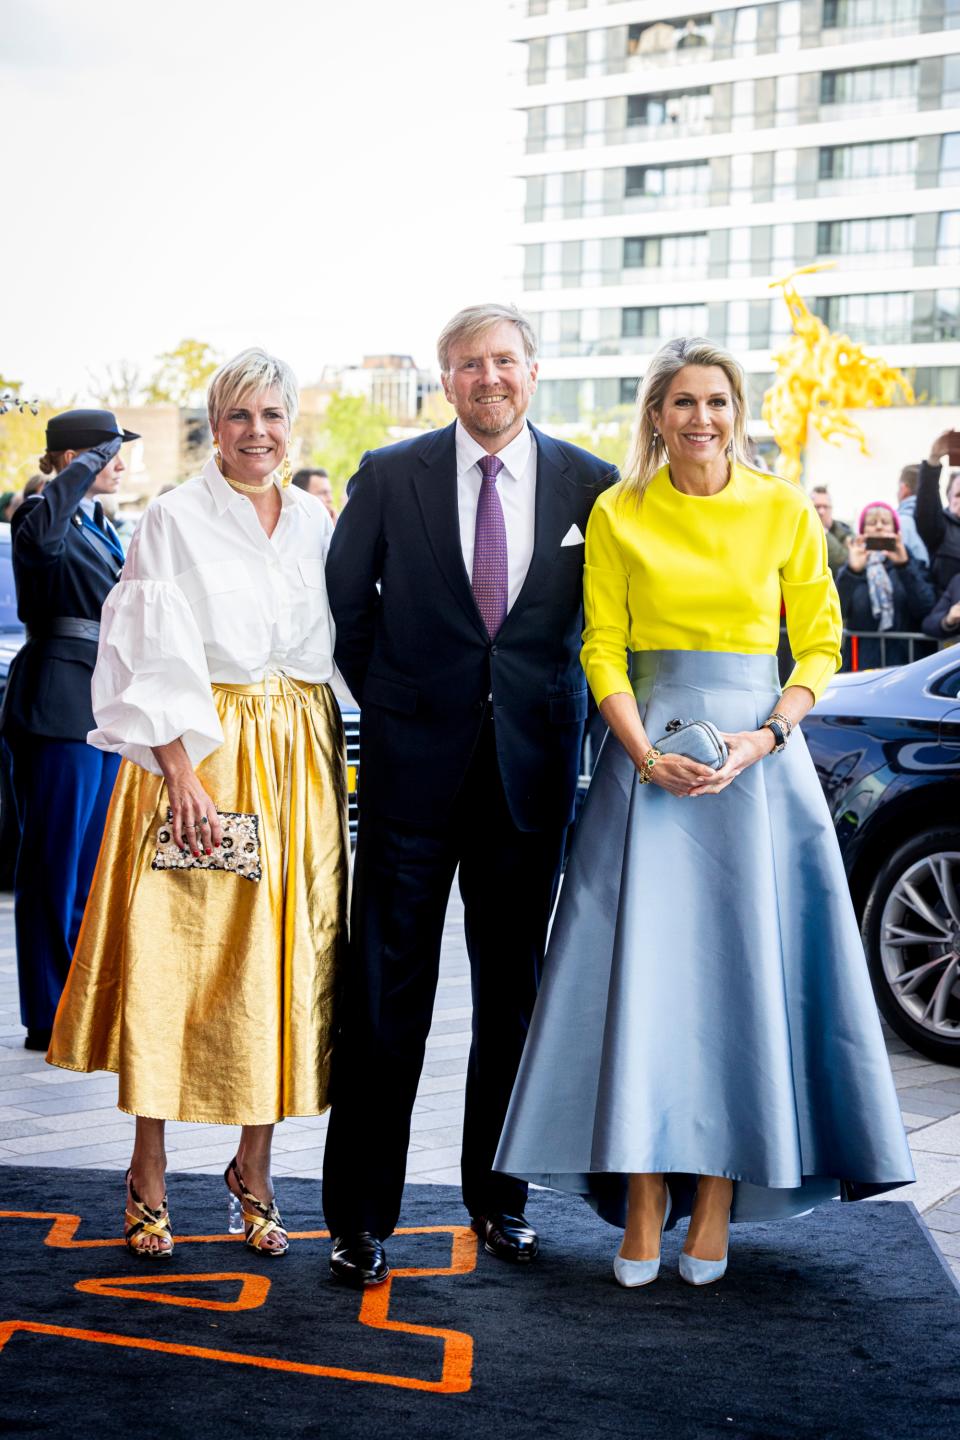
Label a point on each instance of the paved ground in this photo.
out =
(56, 1117)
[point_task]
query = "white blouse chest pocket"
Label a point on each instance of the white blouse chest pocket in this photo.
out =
(214, 577)
(313, 638)
(312, 574)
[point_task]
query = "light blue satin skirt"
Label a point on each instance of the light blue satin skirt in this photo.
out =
(705, 1006)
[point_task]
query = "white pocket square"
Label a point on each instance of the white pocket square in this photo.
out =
(572, 537)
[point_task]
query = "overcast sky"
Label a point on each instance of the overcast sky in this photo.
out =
(327, 178)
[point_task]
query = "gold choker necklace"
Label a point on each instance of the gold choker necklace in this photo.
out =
(285, 474)
(247, 489)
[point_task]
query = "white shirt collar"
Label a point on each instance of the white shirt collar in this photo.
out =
(515, 456)
(87, 505)
(224, 494)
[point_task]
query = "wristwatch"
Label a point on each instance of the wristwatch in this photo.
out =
(779, 734)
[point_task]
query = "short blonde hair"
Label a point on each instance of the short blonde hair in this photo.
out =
(474, 320)
(648, 451)
(250, 373)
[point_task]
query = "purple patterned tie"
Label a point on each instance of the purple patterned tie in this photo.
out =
(490, 549)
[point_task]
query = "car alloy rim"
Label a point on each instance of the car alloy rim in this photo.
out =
(920, 943)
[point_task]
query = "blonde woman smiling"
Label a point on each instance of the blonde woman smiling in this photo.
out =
(705, 1041)
(209, 990)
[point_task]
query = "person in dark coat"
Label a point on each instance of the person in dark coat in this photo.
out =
(944, 619)
(66, 559)
(455, 578)
(836, 531)
(881, 589)
(938, 525)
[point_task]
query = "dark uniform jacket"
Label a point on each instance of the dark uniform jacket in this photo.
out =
(938, 528)
(415, 652)
(61, 570)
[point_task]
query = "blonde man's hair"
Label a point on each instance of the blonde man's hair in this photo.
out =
(648, 451)
(474, 320)
(250, 373)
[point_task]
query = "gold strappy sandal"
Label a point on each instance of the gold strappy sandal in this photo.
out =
(259, 1220)
(147, 1221)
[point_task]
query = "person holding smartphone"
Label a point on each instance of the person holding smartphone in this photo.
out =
(938, 525)
(881, 588)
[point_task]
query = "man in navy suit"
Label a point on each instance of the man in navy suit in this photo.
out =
(455, 580)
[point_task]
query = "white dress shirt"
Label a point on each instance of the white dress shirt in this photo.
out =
(517, 487)
(207, 596)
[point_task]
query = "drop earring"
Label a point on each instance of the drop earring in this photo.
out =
(286, 471)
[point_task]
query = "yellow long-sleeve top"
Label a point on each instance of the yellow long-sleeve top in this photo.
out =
(695, 572)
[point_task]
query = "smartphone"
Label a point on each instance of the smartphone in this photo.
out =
(880, 542)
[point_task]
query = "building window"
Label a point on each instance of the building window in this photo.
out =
(948, 238)
(628, 391)
(681, 111)
(654, 181)
(683, 253)
(881, 241)
(870, 161)
(869, 319)
(670, 41)
(946, 315)
(938, 384)
(645, 328)
(867, 14)
(950, 90)
(950, 159)
(869, 85)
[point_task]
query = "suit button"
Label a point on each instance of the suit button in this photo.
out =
(493, 649)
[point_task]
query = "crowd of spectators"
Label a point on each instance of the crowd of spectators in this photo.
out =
(898, 571)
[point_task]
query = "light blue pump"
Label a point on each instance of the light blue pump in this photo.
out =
(633, 1273)
(701, 1272)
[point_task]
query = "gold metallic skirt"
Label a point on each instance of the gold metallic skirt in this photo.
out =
(211, 995)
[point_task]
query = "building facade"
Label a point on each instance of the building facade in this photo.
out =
(391, 383)
(677, 160)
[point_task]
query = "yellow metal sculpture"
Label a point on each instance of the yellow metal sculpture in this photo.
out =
(819, 376)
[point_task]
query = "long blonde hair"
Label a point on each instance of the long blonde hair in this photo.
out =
(648, 452)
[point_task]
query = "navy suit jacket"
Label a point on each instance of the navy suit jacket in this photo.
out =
(60, 571)
(414, 650)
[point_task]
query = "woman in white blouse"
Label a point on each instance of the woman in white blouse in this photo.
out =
(212, 993)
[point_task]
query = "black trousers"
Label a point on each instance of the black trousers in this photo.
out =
(402, 879)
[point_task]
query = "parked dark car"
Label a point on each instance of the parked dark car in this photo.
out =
(886, 745)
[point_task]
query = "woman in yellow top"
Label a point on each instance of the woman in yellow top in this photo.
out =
(705, 1042)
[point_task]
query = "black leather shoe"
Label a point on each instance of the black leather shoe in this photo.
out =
(509, 1237)
(359, 1260)
(37, 1040)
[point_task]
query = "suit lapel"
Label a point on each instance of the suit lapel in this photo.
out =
(552, 515)
(436, 488)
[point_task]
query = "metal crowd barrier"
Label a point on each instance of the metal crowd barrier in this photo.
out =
(917, 643)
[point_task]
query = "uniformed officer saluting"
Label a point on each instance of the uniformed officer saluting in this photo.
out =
(66, 558)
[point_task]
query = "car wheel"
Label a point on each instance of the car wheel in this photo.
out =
(911, 931)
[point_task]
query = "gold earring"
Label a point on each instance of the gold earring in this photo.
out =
(216, 449)
(286, 472)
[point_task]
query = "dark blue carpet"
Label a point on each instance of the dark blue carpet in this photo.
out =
(844, 1324)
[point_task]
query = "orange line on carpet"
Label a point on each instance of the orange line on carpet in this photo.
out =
(253, 1289)
(457, 1365)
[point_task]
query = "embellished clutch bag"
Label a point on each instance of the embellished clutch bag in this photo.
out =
(238, 851)
(697, 740)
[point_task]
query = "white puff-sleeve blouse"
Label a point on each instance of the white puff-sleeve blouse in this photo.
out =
(206, 597)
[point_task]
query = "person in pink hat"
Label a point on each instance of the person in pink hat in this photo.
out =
(882, 588)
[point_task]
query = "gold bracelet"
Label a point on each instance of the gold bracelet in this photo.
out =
(645, 768)
(784, 720)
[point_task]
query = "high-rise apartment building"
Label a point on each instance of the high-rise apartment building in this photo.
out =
(676, 160)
